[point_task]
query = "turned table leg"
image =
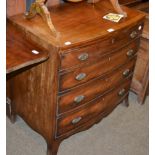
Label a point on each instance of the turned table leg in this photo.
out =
(39, 7)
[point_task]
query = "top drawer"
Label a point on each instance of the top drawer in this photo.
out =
(91, 52)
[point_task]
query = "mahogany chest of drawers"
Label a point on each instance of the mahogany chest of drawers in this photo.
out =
(88, 72)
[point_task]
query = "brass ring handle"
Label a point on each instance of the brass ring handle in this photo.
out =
(126, 72)
(130, 53)
(80, 76)
(121, 92)
(79, 98)
(83, 56)
(133, 34)
(76, 120)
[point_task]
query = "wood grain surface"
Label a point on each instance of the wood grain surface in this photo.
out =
(95, 88)
(140, 82)
(20, 51)
(102, 66)
(91, 110)
(100, 48)
(75, 31)
(35, 91)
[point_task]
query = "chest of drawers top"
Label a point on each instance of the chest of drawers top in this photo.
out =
(74, 32)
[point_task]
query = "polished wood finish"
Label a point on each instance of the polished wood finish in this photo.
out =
(32, 100)
(20, 51)
(74, 30)
(96, 51)
(94, 88)
(36, 93)
(104, 65)
(90, 110)
(39, 7)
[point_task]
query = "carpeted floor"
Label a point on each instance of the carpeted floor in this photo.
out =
(124, 132)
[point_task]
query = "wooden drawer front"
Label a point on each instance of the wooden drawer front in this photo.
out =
(91, 90)
(94, 51)
(75, 119)
(110, 62)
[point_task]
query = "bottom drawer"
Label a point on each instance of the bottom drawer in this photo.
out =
(73, 120)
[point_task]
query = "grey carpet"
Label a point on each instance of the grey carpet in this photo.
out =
(124, 132)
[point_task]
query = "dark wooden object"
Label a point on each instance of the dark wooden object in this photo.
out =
(39, 94)
(39, 7)
(143, 6)
(20, 52)
(136, 4)
(129, 2)
(140, 82)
